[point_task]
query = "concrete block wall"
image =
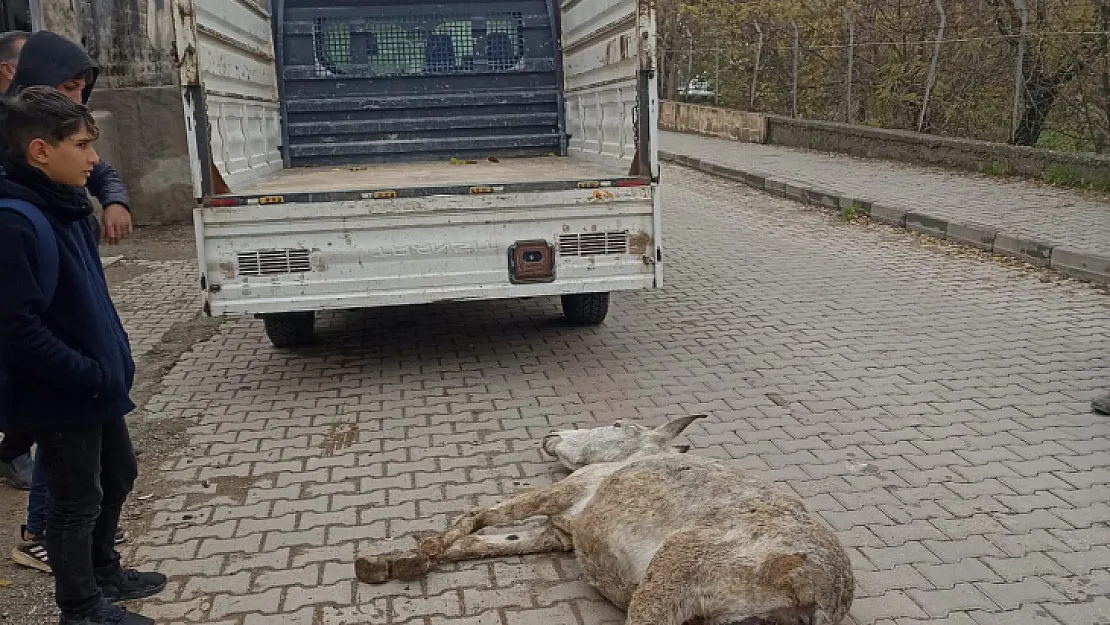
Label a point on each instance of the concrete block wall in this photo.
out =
(714, 122)
(910, 147)
(151, 151)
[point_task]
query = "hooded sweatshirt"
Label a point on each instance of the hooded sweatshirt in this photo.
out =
(49, 60)
(69, 359)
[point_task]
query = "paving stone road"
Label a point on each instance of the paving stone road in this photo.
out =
(933, 409)
(1055, 216)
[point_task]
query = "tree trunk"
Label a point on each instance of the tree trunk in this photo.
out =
(1040, 94)
(1102, 141)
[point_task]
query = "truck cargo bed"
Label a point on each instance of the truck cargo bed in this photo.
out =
(430, 174)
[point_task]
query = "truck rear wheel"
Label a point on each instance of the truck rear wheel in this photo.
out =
(290, 329)
(586, 309)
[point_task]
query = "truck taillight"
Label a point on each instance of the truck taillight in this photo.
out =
(639, 182)
(224, 202)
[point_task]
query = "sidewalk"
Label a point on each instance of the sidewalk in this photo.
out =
(1052, 227)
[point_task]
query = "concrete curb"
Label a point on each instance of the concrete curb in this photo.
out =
(1083, 265)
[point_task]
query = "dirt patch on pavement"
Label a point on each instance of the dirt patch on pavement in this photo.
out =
(121, 272)
(155, 243)
(26, 595)
(157, 439)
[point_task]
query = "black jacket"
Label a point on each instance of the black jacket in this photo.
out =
(49, 60)
(69, 360)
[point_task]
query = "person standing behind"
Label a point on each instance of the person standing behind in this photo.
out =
(15, 459)
(70, 357)
(11, 43)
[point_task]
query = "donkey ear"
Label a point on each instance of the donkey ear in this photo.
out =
(668, 431)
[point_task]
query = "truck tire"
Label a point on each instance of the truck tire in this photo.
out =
(290, 329)
(586, 309)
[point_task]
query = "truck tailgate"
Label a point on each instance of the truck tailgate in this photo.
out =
(359, 253)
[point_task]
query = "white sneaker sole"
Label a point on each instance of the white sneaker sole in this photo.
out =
(33, 557)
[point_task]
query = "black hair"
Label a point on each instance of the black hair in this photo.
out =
(8, 50)
(44, 113)
(87, 75)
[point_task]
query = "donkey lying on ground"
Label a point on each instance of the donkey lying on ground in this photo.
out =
(671, 538)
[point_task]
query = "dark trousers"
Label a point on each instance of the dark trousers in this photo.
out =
(16, 443)
(89, 472)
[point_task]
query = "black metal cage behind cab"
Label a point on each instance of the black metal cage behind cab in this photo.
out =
(367, 81)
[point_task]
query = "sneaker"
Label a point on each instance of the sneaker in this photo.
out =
(31, 553)
(18, 471)
(108, 614)
(131, 584)
(1102, 405)
(28, 537)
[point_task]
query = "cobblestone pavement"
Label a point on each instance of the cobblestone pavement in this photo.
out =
(1057, 216)
(933, 409)
(150, 303)
(151, 297)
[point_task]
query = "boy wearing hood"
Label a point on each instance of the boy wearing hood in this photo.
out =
(68, 354)
(51, 60)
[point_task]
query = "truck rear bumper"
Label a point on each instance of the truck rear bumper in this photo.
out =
(402, 297)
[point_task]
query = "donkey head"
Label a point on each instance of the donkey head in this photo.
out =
(615, 443)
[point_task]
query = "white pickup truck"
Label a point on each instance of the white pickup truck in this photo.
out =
(363, 153)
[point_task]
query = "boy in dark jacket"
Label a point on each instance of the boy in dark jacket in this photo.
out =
(51, 60)
(69, 358)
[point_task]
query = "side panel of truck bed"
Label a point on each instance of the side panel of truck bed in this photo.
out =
(229, 91)
(612, 104)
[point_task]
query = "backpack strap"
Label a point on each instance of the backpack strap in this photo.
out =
(47, 251)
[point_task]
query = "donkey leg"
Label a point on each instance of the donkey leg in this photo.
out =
(680, 587)
(548, 501)
(662, 597)
(546, 539)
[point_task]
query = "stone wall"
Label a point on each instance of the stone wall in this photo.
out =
(1073, 169)
(714, 122)
(139, 87)
(132, 40)
(62, 17)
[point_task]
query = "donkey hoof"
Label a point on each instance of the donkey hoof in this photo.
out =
(409, 568)
(374, 571)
